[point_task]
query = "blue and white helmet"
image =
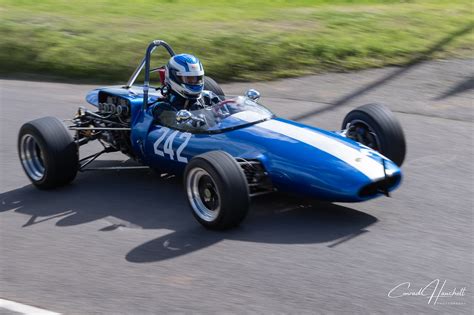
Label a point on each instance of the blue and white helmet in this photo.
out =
(185, 75)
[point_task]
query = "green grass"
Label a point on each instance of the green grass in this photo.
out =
(103, 40)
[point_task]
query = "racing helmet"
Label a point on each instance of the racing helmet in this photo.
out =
(184, 75)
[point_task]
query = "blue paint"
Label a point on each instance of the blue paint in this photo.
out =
(293, 166)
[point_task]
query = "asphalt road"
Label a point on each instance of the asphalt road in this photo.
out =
(126, 242)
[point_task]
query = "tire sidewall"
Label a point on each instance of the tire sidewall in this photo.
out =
(384, 124)
(234, 196)
(201, 163)
(29, 129)
(60, 153)
(372, 124)
(211, 85)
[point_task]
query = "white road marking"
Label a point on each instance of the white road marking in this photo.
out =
(23, 308)
(357, 159)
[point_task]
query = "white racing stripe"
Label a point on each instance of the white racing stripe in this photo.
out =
(249, 116)
(366, 165)
(24, 309)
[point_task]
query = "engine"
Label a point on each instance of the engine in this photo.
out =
(115, 106)
(110, 124)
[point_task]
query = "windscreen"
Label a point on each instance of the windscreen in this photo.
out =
(226, 115)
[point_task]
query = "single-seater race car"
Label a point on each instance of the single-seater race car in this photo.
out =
(227, 152)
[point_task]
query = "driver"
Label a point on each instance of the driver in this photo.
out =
(183, 89)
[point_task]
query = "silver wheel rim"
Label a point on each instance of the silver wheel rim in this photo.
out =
(32, 157)
(203, 194)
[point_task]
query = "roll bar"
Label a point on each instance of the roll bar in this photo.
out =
(146, 63)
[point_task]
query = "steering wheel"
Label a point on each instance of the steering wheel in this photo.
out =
(217, 109)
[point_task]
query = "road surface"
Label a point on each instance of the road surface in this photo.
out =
(126, 242)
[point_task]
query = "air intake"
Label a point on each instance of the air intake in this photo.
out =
(380, 186)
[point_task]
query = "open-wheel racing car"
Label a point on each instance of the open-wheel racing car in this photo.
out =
(228, 152)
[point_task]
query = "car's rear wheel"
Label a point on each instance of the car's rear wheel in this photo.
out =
(375, 126)
(48, 153)
(217, 190)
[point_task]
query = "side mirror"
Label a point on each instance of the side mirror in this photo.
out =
(183, 116)
(254, 95)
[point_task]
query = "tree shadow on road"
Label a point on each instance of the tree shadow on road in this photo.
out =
(143, 199)
(462, 87)
(425, 55)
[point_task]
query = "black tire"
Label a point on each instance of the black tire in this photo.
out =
(381, 121)
(228, 178)
(213, 86)
(53, 155)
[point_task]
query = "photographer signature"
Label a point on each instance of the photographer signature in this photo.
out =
(433, 291)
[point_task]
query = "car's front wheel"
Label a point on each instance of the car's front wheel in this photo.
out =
(375, 126)
(211, 85)
(48, 153)
(217, 190)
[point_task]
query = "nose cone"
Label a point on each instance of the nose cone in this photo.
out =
(323, 164)
(326, 177)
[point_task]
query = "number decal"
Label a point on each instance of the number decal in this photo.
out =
(159, 140)
(168, 145)
(183, 145)
(168, 148)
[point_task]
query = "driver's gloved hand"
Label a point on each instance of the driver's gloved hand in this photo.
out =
(198, 122)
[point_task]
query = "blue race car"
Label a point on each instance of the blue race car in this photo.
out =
(227, 152)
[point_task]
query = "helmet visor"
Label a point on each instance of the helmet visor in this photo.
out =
(198, 79)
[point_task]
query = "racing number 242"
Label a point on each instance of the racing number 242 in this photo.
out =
(168, 146)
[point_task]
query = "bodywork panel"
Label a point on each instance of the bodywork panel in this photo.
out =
(298, 158)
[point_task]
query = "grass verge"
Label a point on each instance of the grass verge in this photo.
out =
(103, 40)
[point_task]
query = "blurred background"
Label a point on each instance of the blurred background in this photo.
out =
(126, 243)
(103, 40)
